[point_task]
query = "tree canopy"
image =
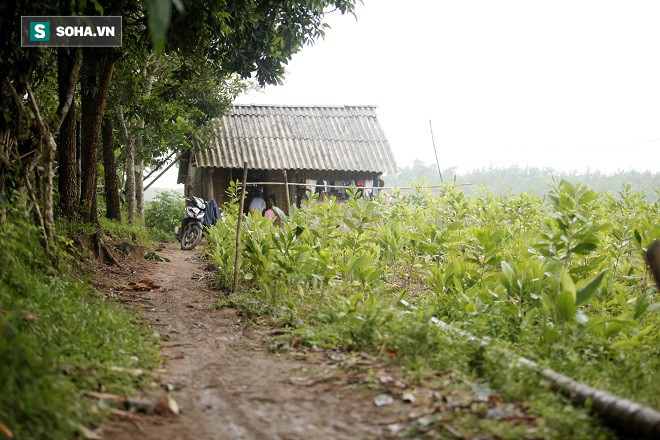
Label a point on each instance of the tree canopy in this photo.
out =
(180, 66)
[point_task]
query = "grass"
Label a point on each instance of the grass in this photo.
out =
(59, 338)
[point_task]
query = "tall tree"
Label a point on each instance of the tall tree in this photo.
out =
(67, 155)
(95, 83)
(113, 210)
(129, 144)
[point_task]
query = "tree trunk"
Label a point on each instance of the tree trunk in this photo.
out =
(122, 175)
(139, 176)
(94, 91)
(139, 191)
(67, 157)
(48, 156)
(110, 171)
(130, 166)
(78, 161)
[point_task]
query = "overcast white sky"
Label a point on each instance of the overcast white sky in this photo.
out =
(566, 84)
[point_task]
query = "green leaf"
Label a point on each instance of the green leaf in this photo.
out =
(566, 298)
(642, 304)
(584, 248)
(585, 292)
(455, 226)
(349, 223)
(178, 4)
(160, 12)
(97, 6)
(565, 306)
(281, 214)
(567, 283)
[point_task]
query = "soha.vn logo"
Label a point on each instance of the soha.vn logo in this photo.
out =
(39, 31)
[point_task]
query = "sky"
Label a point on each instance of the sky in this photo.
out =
(572, 85)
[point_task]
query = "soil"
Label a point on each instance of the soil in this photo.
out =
(227, 382)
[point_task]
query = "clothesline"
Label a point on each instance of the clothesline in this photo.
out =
(351, 186)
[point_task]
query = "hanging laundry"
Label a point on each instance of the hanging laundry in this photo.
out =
(368, 187)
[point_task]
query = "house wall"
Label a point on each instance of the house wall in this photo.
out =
(221, 182)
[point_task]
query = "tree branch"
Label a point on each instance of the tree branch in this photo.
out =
(37, 114)
(63, 108)
(17, 99)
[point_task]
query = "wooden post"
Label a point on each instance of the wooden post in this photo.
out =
(435, 150)
(237, 260)
(288, 196)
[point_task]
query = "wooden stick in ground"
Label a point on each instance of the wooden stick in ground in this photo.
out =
(237, 260)
(286, 188)
(437, 162)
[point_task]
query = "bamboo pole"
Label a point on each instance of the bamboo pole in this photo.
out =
(352, 186)
(629, 416)
(288, 196)
(237, 260)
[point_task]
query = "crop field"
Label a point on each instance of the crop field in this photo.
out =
(560, 280)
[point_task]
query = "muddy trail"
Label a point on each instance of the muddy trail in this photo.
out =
(227, 382)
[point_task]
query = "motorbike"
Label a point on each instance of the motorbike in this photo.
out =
(195, 219)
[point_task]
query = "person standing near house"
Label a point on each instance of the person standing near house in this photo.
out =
(270, 212)
(258, 204)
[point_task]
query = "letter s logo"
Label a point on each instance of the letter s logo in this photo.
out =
(40, 31)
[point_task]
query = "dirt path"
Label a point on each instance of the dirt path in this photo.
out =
(226, 382)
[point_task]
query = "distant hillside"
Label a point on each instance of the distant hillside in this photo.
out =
(516, 179)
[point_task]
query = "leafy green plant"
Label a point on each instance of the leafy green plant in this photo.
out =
(560, 280)
(163, 214)
(58, 338)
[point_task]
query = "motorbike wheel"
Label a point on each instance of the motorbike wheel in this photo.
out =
(192, 234)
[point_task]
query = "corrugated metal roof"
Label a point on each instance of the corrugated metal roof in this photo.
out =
(342, 138)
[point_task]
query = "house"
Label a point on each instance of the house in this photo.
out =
(296, 143)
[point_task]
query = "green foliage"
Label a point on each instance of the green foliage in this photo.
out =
(122, 230)
(258, 38)
(117, 230)
(561, 281)
(57, 338)
(163, 214)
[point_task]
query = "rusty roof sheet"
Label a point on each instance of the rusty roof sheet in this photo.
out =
(342, 138)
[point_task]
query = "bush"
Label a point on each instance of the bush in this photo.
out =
(164, 213)
(57, 339)
(560, 280)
